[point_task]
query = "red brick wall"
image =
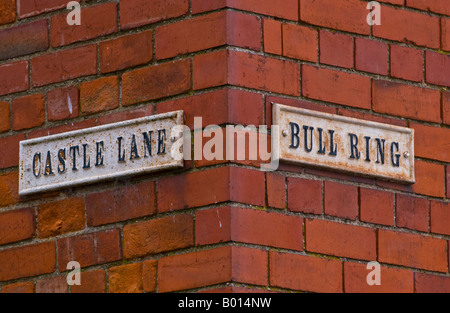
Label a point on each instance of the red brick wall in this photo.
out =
(217, 225)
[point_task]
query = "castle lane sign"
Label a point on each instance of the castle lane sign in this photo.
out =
(100, 153)
(345, 144)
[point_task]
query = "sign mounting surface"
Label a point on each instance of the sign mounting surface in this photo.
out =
(100, 153)
(345, 144)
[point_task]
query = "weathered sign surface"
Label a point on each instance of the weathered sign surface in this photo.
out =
(345, 144)
(99, 153)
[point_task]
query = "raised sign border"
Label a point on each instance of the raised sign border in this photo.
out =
(179, 115)
(277, 108)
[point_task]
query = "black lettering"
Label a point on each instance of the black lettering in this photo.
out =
(380, 150)
(121, 155)
(48, 165)
(134, 152)
(161, 141)
(38, 157)
(333, 147)
(74, 149)
(367, 159)
(355, 154)
(86, 163)
(295, 140)
(148, 144)
(396, 161)
(308, 149)
(62, 161)
(99, 155)
(321, 144)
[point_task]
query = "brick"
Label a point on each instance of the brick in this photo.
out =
(200, 6)
(429, 142)
(305, 273)
(437, 68)
(216, 29)
(26, 261)
(295, 103)
(219, 107)
(213, 226)
(97, 21)
(412, 212)
(135, 13)
(191, 35)
(16, 225)
(62, 128)
(5, 123)
(371, 117)
(272, 36)
(10, 144)
(406, 63)
(99, 95)
(56, 284)
(425, 283)
(276, 190)
(91, 282)
(171, 197)
(355, 242)
(445, 34)
(447, 175)
(285, 9)
(64, 65)
(194, 269)
(125, 115)
(376, 206)
(398, 2)
(155, 82)
(341, 200)
(90, 249)
(406, 101)
(304, 195)
(243, 30)
(436, 6)
(347, 15)
(408, 27)
(121, 204)
(247, 186)
(149, 275)
(336, 49)
(14, 77)
(412, 250)
(393, 280)
(26, 287)
(125, 278)
(371, 56)
(446, 107)
(270, 75)
(126, 51)
(337, 87)
(299, 42)
(249, 266)
(28, 112)
(440, 217)
(7, 11)
(63, 103)
(267, 229)
(160, 235)
(60, 217)
(210, 70)
(9, 184)
(27, 8)
(430, 179)
(24, 39)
